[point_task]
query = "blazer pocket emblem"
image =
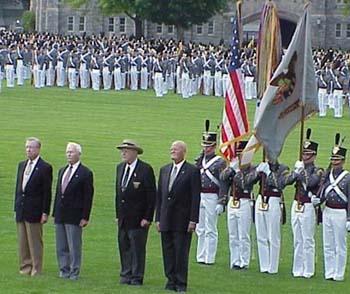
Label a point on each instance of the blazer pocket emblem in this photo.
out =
(136, 184)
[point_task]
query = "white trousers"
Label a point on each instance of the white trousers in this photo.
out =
(10, 75)
(144, 78)
(170, 81)
(338, 103)
(158, 84)
(123, 79)
(334, 243)
(0, 79)
(303, 227)
(133, 78)
(20, 72)
(117, 79)
(107, 78)
(50, 75)
(322, 101)
(206, 229)
(330, 100)
(178, 81)
(72, 78)
(84, 76)
(95, 79)
(194, 86)
(218, 84)
(61, 74)
(268, 233)
(185, 85)
(239, 222)
(225, 78)
(165, 85)
(207, 83)
(36, 78)
(42, 76)
(249, 88)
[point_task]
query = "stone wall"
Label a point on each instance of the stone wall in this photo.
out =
(52, 16)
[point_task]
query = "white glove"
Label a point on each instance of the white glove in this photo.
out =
(315, 200)
(219, 209)
(260, 167)
(299, 167)
(267, 169)
(348, 225)
(234, 164)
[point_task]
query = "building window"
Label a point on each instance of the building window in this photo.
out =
(171, 29)
(122, 23)
(348, 30)
(211, 27)
(199, 29)
(111, 24)
(338, 30)
(70, 23)
(82, 24)
(159, 29)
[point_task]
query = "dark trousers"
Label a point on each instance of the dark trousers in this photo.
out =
(68, 249)
(132, 251)
(176, 248)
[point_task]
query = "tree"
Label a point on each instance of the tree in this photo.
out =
(113, 7)
(180, 13)
(28, 21)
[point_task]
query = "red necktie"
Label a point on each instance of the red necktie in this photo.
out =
(66, 179)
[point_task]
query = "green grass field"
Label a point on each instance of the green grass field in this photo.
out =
(99, 121)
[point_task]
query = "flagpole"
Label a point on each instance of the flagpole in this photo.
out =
(304, 83)
(302, 108)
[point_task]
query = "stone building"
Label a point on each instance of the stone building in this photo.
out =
(11, 12)
(330, 24)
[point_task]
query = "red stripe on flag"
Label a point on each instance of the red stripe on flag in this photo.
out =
(238, 91)
(231, 116)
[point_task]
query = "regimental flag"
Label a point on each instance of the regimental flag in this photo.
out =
(234, 119)
(269, 55)
(291, 89)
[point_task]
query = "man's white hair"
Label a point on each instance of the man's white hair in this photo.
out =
(75, 145)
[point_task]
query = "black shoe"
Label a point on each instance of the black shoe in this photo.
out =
(170, 287)
(124, 282)
(136, 283)
(180, 289)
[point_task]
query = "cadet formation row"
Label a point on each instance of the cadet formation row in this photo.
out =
(118, 63)
(188, 198)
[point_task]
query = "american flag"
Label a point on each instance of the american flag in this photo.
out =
(234, 119)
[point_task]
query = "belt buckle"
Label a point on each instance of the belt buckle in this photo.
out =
(263, 206)
(299, 208)
(235, 203)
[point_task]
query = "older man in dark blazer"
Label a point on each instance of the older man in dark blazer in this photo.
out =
(32, 207)
(134, 204)
(177, 210)
(73, 202)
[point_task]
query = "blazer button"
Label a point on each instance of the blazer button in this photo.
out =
(62, 196)
(169, 198)
(123, 201)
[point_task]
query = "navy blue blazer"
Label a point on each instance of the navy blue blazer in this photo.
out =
(137, 200)
(75, 203)
(177, 207)
(30, 204)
